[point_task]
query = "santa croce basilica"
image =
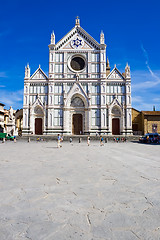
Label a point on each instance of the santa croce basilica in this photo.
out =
(81, 94)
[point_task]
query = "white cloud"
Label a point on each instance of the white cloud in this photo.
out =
(145, 79)
(11, 98)
(144, 103)
(157, 99)
(137, 99)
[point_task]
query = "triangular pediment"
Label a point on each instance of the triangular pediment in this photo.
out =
(67, 41)
(115, 102)
(38, 102)
(39, 75)
(83, 44)
(115, 75)
(77, 89)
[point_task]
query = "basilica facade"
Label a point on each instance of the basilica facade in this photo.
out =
(81, 94)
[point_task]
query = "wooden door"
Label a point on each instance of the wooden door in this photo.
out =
(77, 124)
(115, 126)
(38, 126)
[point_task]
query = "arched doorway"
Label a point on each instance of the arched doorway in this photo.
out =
(77, 124)
(77, 105)
(38, 126)
(116, 116)
(39, 116)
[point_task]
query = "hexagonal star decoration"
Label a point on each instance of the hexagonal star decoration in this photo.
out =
(77, 42)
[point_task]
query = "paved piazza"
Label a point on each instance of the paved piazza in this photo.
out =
(79, 192)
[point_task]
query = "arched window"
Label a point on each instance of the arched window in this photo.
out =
(50, 119)
(128, 88)
(51, 67)
(129, 119)
(103, 99)
(104, 119)
(25, 119)
(50, 99)
(129, 99)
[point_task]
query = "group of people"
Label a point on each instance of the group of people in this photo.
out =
(118, 139)
(60, 140)
(89, 140)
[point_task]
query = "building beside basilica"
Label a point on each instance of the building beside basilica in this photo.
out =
(80, 93)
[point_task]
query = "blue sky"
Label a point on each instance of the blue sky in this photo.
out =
(132, 34)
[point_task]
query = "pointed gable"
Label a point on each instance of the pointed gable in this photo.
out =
(83, 43)
(37, 103)
(39, 75)
(89, 42)
(115, 102)
(77, 89)
(115, 75)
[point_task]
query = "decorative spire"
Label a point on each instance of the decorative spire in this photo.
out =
(127, 71)
(52, 38)
(27, 71)
(77, 21)
(107, 65)
(102, 38)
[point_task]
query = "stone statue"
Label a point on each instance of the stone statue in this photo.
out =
(52, 38)
(11, 113)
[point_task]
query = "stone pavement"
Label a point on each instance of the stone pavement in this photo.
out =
(79, 192)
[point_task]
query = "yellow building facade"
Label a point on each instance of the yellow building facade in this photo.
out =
(145, 122)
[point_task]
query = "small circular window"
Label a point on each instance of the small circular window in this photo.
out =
(77, 63)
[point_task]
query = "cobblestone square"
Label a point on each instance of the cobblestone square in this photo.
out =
(79, 192)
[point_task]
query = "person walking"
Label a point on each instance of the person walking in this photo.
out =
(59, 141)
(88, 140)
(101, 141)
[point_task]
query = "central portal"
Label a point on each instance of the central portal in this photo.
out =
(77, 124)
(115, 126)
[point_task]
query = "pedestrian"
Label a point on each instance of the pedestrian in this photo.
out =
(101, 141)
(14, 139)
(59, 141)
(88, 140)
(70, 140)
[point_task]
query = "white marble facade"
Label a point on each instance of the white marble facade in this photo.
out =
(80, 95)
